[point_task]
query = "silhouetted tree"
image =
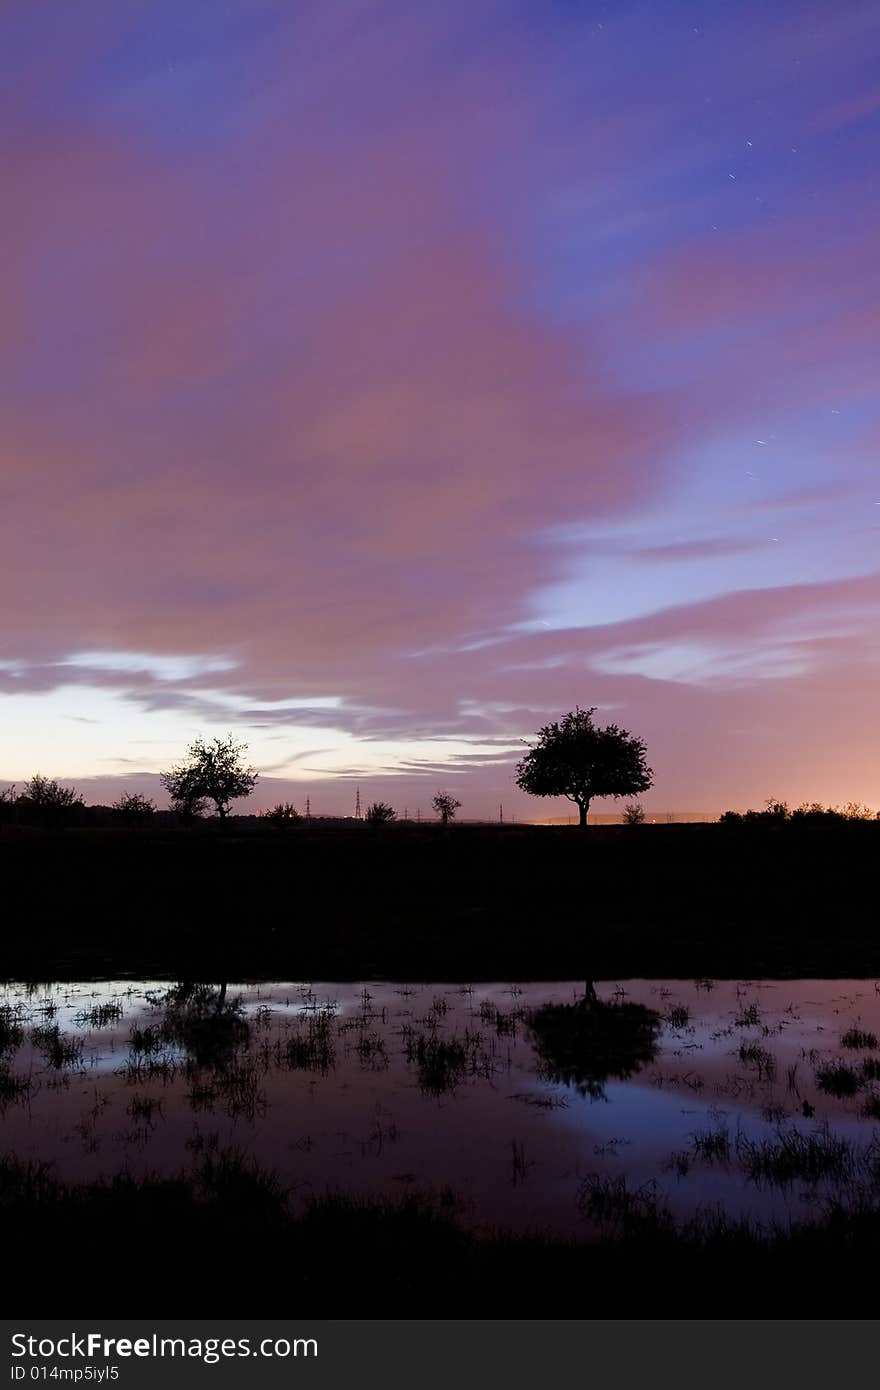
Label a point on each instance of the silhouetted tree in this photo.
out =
(44, 800)
(576, 759)
(445, 806)
(380, 813)
(133, 809)
(633, 813)
(215, 772)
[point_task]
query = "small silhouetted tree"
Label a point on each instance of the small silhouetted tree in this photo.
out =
(48, 802)
(133, 809)
(445, 806)
(214, 772)
(576, 759)
(283, 815)
(380, 813)
(633, 813)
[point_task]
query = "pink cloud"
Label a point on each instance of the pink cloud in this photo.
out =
(308, 435)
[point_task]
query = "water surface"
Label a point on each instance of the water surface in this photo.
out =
(382, 1087)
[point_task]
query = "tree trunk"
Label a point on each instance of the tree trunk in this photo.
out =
(583, 808)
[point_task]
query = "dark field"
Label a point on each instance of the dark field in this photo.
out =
(470, 903)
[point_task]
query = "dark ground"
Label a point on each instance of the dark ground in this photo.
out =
(421, 903)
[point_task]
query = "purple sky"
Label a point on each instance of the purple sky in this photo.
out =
(380, 380)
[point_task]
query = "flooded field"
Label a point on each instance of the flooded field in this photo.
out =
(530, 1102)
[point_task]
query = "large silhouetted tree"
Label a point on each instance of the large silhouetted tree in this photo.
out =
(577, 759)
(214, 772)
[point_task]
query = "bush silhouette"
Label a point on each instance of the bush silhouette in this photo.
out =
(133, 809)
(282, 815)
(808, 813)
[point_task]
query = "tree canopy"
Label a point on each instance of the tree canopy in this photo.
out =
(282, 815)
(577, 759)
(214, 772)
(446, 806)
(47, 802)
(131, 808)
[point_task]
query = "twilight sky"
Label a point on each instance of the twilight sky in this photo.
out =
(380, 379)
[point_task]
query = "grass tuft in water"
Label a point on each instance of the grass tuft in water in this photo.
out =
(752, 1054)
(839, 1079)
(11, 1031)
(99, 1015)
(13, 1087)
(622, 1212)
(712, 1145)
(313, 1046)
(146, 1040)
(442, 1062)
(749, 1016)
(678, 1016)
(795, 1157)
(59, 1050)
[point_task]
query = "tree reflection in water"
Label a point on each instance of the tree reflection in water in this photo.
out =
(593, 1041)
(200, 1019)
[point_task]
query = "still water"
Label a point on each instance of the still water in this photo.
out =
(380, 1087)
